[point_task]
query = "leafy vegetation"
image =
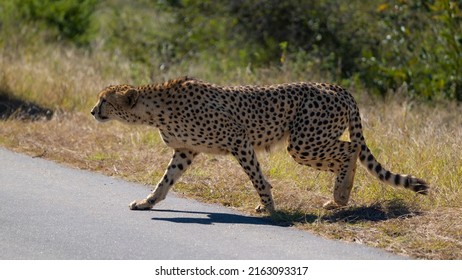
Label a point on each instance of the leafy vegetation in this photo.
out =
(406, 47)
(70, 20)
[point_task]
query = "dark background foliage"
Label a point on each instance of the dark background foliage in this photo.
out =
(408, 47)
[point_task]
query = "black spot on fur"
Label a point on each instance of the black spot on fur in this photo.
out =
(397, 179)
(407, 182)
(370, 157)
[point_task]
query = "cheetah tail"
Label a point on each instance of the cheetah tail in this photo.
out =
(375, 168)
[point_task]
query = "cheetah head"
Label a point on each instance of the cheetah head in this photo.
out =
(115, 102)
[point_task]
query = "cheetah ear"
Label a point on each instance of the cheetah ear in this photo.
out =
(130, 98)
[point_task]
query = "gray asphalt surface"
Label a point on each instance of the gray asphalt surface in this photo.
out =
(48, 211)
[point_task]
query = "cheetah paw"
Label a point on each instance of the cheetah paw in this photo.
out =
(140, 205)
(262, 209)
(330, 205)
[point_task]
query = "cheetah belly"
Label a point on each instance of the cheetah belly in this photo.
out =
(207, 145)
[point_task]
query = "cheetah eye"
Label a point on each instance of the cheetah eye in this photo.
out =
(103, 101)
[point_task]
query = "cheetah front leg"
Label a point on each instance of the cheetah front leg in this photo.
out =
(181, 160)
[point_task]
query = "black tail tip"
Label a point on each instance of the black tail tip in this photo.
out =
(421, 187)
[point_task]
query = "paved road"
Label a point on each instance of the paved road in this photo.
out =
(48, 211)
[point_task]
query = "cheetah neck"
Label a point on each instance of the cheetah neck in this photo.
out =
(153, 108)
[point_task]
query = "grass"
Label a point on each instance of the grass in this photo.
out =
(421, 139)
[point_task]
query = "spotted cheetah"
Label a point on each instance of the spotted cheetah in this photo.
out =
(198, 117)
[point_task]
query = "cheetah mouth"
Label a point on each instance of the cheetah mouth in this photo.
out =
(101, 118)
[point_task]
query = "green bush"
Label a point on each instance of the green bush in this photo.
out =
(419, 50)
(70, 18)
(407, 47)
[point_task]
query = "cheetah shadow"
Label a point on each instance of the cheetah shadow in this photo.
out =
(354, 214)
(210, 218)
(377, 212)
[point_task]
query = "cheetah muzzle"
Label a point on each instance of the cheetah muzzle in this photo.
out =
(198, 117)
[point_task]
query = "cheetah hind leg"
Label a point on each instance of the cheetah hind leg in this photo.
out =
(344, 182)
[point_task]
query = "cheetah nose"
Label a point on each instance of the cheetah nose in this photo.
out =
(93, 112)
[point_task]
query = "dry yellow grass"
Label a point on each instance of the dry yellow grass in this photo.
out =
(424, 140)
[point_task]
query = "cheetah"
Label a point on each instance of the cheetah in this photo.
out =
(195, 117)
